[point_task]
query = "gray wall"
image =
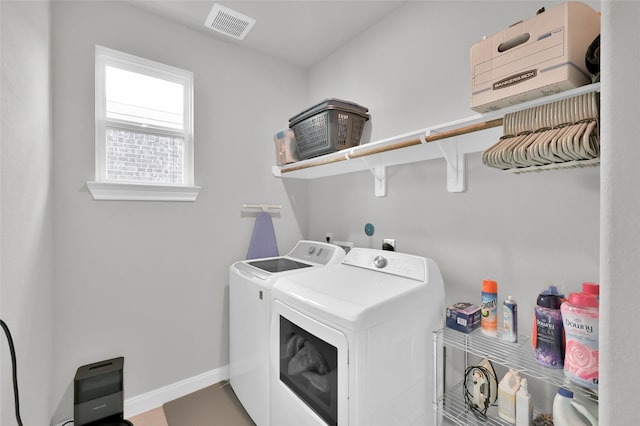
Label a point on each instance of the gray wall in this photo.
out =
(26, 275)
(148, 280)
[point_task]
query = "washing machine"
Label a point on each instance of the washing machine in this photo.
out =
(250, 283)
(351, 344)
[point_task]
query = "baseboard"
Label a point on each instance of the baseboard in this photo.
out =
(156, 398)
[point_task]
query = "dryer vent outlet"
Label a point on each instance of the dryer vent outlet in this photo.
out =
(229, 22)
(346, 245)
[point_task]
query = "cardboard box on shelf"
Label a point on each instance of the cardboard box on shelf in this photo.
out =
(541, 56)
(463, 316)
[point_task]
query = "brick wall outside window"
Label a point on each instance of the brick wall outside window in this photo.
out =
(143, 157)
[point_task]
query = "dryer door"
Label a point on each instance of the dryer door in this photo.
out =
(309, 376)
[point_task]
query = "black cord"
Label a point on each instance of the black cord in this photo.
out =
(67, 422)
(12, 349)
(479, 412)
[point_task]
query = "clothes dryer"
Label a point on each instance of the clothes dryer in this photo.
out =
(250, 283)
(351, 344)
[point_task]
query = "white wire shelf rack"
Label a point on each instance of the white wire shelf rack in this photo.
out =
(452, 406)
(519, 356)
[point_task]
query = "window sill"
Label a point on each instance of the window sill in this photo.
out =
(120, 191)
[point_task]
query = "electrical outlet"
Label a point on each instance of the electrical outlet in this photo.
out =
(389, 242)
(329, 237)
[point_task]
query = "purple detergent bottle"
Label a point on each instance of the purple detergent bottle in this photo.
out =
(549, 339)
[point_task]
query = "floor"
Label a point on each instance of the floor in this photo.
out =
(214, 405)
(154, 417)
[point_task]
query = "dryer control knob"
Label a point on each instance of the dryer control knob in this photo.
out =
(379, 262)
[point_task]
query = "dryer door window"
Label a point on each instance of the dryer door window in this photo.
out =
(309, 368)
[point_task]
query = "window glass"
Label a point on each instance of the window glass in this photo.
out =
(143, 99)
(144, 157)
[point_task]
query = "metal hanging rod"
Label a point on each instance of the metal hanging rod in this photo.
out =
(364, 151)
(492, 119)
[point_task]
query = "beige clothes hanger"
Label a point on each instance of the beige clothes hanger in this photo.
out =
(555, 135)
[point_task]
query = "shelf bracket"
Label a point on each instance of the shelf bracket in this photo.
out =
(380, 180)
(456, 165)
(379, 173)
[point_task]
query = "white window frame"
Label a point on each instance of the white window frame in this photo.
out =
(102, 188)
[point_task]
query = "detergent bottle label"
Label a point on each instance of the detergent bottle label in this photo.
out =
(549, 340)
(581, 354)
(489, 309)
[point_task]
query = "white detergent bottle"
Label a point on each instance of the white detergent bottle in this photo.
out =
(524, 405)
(564, 413)
(582, 409)
(507, 395)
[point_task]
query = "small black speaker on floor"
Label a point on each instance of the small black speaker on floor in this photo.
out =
(98, 394)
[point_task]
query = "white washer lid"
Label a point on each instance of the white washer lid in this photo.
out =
(305, 254)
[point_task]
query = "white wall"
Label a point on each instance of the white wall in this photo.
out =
(620, 204)
(26, 208)
(148, 280)
(412, 71)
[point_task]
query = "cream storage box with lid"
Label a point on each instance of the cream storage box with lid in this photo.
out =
(541, 56)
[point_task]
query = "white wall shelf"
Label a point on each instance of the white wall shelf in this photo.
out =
(450, 141)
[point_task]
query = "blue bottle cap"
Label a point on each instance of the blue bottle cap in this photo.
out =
(565, 392)
(550, 298)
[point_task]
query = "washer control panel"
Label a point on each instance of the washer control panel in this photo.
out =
(316, 252)
(400, 264)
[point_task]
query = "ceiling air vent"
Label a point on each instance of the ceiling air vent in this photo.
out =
(229, 22)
